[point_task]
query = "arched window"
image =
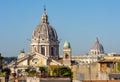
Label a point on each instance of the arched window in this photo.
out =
(52, 51)
(66, 56)
(35, 60)
(95, 52)
(43, 50)
(98, 52)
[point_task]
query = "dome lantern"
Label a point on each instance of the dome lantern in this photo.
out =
(44, 16)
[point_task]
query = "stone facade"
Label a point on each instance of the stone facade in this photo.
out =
(2, 79)
(38, 79)
(87, 72)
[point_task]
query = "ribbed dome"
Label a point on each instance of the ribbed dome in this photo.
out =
(44, 31)
(97, 47)
(66, 45)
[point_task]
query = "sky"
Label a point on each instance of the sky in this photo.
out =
(77, 21)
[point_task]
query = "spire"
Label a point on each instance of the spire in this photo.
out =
(44, 9)
(97, 40)
(44, 16)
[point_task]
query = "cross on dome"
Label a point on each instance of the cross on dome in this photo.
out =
(44, 16)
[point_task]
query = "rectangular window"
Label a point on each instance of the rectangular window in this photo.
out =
(43, 50)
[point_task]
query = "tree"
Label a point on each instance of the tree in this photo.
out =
(31, 72)
(56, 72)
(3, 74)
(118, 66)
(27, 70)
(66, 72)
(6, 72)
(42, 70)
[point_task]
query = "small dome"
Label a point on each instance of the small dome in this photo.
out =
(21, 55)
(66, 45)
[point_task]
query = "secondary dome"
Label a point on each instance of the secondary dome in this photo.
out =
(22, 54)
(44, 31)
(66, 45)
(97, 48)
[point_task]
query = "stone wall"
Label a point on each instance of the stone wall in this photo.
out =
(55, 80)
(87, 72)
(2, 79)
(102, 81)
(37, 79)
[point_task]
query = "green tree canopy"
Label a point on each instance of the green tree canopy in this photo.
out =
(118, 66)
(42, 69)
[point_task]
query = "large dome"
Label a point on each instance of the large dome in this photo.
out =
(97, 48)
(44, 31)
(44, 39)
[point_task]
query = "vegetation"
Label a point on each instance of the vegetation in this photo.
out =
(118, 66)
(51, 71)
(9, 59)
(3, 74)
(65, 71)
(27, 70)
(60, 71)
(42, 70)
(7, 70)
(31, 72)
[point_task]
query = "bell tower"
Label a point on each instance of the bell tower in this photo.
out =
(67, 54)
